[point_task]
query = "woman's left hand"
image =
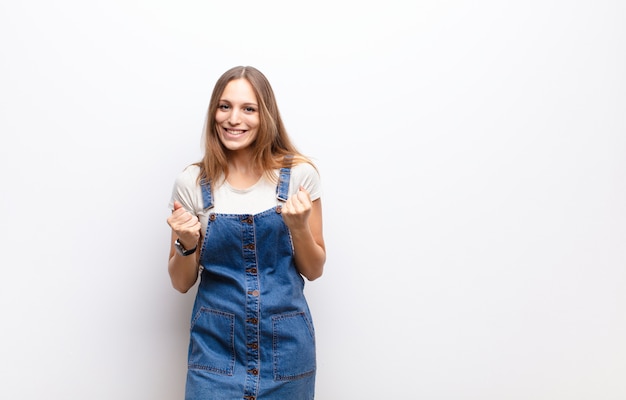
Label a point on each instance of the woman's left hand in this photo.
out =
(297, 209)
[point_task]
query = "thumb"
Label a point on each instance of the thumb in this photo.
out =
(177, 205)
(303, 189)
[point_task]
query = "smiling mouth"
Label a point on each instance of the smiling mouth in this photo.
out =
(235, 132)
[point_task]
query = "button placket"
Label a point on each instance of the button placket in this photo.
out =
(252, 307)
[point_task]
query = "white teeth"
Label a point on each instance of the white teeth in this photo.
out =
(232, 132)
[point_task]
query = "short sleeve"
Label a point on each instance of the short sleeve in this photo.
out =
(307, 176)
(186, 190)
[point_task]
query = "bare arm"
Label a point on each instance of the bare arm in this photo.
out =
(304, 219)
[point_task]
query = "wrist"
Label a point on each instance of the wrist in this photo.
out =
(184, 250)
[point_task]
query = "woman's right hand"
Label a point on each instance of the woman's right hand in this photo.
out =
(185, 225)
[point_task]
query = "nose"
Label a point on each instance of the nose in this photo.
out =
(233, 118)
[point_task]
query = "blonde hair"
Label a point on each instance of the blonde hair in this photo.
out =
(272, 143)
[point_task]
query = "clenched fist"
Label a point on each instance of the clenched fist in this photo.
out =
(297, 209)
(185, 225)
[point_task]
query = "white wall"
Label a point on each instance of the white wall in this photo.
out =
(473, 157)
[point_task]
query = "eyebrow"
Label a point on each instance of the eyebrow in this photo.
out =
(244, 104)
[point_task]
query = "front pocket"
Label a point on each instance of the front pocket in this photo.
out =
(293, 346)
(212, 341)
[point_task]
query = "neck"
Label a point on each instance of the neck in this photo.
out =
(241, 171)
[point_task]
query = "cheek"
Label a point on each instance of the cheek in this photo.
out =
(253, 121)
(220, 117)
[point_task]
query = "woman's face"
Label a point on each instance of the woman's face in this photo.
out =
(237, 115)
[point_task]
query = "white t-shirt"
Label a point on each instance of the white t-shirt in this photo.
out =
(227, 200)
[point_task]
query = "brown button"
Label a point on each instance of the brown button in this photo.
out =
(253, 371)
(279, 209)
(212, 217)
(253, 346)
(254, 293)
(249, 398)
(252, 270)
(249, 246)
(248, 220)
(252, 321)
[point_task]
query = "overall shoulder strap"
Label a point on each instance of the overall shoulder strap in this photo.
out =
(207, 195)
(282, 188)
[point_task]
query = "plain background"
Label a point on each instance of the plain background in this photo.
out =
(473, 158)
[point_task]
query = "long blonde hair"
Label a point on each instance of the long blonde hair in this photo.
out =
(272, 143)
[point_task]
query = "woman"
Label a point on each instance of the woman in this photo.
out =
(247, 220)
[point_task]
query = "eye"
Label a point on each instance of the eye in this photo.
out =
(249, 109)
(223, 107)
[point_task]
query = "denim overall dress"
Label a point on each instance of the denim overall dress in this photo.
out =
(252, 335)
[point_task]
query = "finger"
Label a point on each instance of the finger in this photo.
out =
(177, 205)
(303, 190)
(183, 220)
(189, 222)
(303, 198)
(192, 224)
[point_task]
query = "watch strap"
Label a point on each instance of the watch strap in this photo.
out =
(181, 249)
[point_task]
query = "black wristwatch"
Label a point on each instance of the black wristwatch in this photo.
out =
(181, 249)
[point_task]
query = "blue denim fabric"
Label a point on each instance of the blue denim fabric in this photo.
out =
(252, 335)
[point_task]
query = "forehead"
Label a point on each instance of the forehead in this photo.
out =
(239, 90)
